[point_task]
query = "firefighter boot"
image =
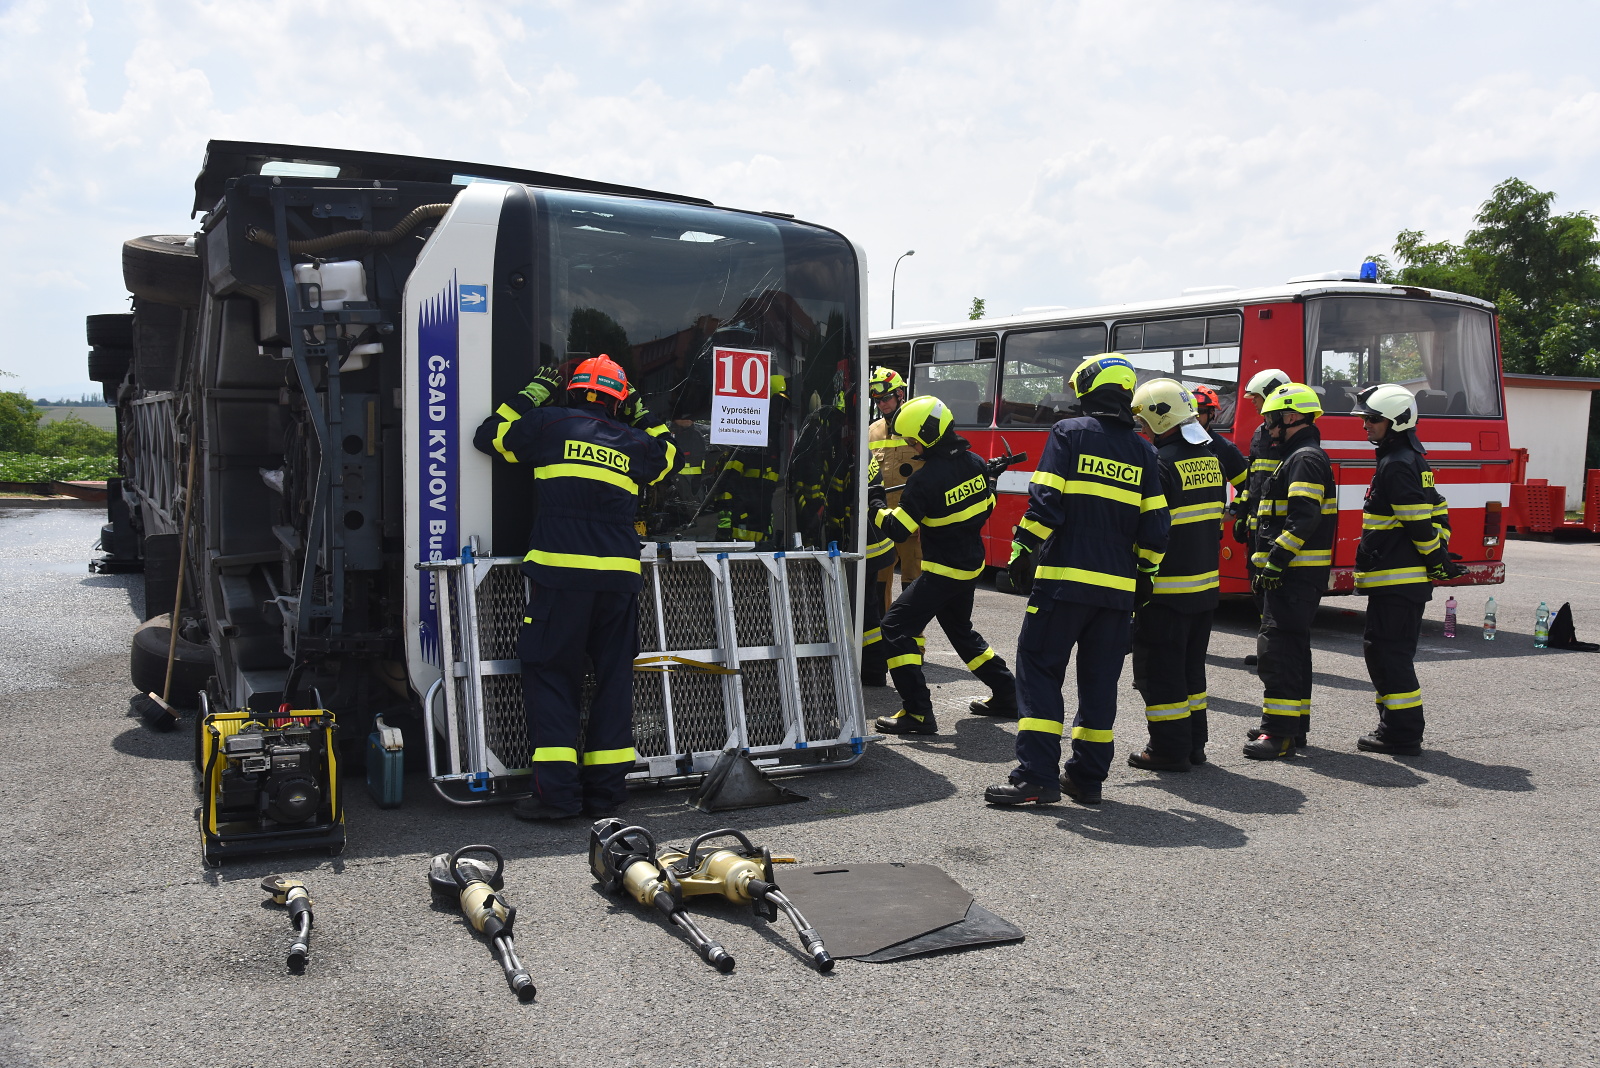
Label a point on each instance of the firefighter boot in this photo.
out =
(1017, 792)
(1266, 747)
(903, 722)
(1257, 732)
(1001, 704)
(1081, 792)
(1374, 743)
(1168, 749)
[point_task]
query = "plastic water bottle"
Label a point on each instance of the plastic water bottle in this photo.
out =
(1541, 627)
(1488, 621)
(1450, 617)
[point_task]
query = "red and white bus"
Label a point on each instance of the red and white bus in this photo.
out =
(1006, 381)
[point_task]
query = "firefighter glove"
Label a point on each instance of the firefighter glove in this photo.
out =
(545, 385)
(1241, 530)
(1445, 570)
(1021, 567)
(1270, 577)
(877, 499)
(1144, 584)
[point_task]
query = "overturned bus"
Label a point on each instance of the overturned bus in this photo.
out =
(296, 400)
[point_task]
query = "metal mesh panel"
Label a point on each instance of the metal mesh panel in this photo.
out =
(686, 602)
(501, 600)
(763, 705)
(505, 720)
(752, 602)
(697, 711)
(649, 716)
(819, 698)
(807, 601)
(649, 639)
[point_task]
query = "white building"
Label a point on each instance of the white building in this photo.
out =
(1549, 416)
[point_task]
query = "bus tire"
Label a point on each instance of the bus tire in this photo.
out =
(191, 664)
(109, 331)
(164, 268)
(109, 366)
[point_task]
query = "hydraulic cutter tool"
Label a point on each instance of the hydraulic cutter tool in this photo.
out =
(476, 888)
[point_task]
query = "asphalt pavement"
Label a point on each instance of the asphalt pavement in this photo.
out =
(1340, 909)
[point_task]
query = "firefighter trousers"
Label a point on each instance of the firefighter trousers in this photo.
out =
(1283, 647)
(1390, 643)
(1050, 632)
(949, 601)
(872, 649)
(1169, 671)
(563, 632)
(908, 554)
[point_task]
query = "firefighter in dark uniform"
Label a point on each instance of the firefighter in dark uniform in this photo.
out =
(1235, 468)
(583, 560)
(880, 569)
(1172, 631)
(1405, 548)
(1097, 522)
(947, 499)
(1297, 515)
(896, 459)
(1263, 460)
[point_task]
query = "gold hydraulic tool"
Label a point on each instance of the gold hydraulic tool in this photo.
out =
(626, 860)
(293, 894)
(476, 888)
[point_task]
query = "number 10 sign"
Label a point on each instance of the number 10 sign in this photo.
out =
(740, 396)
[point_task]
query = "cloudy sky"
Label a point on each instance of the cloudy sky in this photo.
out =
(1032, 153)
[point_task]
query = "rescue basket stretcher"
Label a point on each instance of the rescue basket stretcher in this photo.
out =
(748, 650)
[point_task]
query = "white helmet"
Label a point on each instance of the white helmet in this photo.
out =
(1163, 405)
(1395, 403)
(1267, 382)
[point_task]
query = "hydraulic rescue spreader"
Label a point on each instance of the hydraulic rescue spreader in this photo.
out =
(626, 859)
(476, 888)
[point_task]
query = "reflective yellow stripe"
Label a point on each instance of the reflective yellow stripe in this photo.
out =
(591, 563)
(1306, 489)
(1085, 734)
(922, 643)
(1173, 710)
(1187, 583)
(1264, 465)
(1152, 555)
(672, 454)
(1046, 478)
(880, 548)
(1372, 521)
(959, 517)
(1095, 489)
(903, 661)
(598, 474)
(1289, 541)
(1239, 479)
(1394, 576)
(900, 516)
(556, 753)
(1033, 608)
(507, 413)
(1286, 706)
(1150, 504)
(1197, 513)
(871, 636)
(657, 430)
(1036, 528)
(1043, 726)
(1330, 506)
(610, 756)
(1394, 701)
(1197, 702)
(1313, 558)
(1429, 547)
(1413, 511)
(1078, 574)
(691, 469)
(982, 658)
(886, 443)
(951, 572)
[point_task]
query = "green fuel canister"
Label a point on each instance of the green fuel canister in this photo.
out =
(386, 764)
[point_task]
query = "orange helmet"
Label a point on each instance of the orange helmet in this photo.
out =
(600, 374)
(1205, 397)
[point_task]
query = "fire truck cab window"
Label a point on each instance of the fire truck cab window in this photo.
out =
(1033, 383)
(1444, 353)
(960, 373)
(1196, 352)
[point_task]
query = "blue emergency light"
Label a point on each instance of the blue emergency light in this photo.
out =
(1369, 272)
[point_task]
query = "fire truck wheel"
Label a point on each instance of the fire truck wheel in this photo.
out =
(191, 666)
(164, 268)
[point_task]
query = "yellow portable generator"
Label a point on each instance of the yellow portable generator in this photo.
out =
(270, 783)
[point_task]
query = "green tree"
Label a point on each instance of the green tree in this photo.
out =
(73, 437)
(19, 421)
(976, 311)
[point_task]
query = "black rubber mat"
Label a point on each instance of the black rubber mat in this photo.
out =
(862, 909)
(980, 928)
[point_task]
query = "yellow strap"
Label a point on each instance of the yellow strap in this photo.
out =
(905, 660)
(951, 572)
(557, 754)
(1078, 574)
(610, 756)
(1394, 576)
(1150, 504)
(1394, 701)
(1086, 734)
(664, 662)
(598, 474)
(886, 443)
(1043, 726)
(578, 560)
(1036, 528)
(1186, 583)
(982, 658)
(970, 512)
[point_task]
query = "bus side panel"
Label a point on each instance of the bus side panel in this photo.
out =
(446, 394)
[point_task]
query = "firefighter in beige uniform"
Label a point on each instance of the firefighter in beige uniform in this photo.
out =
(888, 391)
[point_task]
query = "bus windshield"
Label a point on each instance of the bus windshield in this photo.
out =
(657, 286)
(1444, 353)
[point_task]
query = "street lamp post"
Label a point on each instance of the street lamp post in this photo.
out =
(893, 276)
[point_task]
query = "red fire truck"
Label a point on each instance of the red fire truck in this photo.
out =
(1006, 380)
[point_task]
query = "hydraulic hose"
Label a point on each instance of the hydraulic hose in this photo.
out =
(371, 238)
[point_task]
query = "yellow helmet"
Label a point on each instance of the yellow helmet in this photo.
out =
(884, 381)
(1294, 397)
(1163, 405)
(1107, 369)
(923, 419)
